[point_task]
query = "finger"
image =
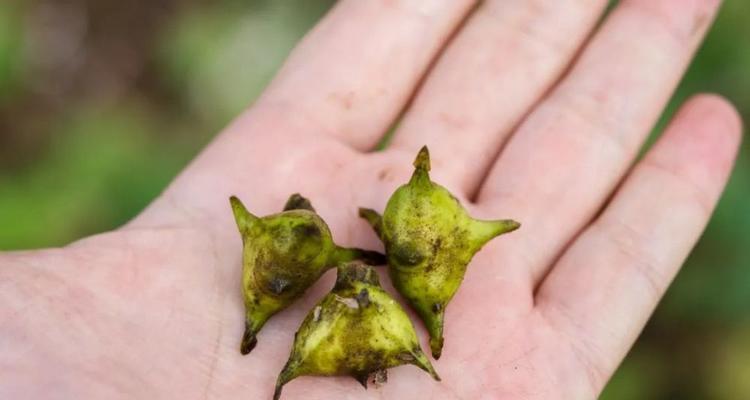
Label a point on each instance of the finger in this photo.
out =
(568, 156)
(605, 287)
(354, 72)
(501, 62)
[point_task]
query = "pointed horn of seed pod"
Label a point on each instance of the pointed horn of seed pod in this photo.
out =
(420, 360)
(434, 322)
(298, 202)
(484, 231)
(243, 217)
(289, 372)
(421, 167)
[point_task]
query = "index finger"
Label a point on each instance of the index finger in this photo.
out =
(343, 84)
(355, 71)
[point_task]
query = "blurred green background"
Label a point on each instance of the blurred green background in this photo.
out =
(102, 102)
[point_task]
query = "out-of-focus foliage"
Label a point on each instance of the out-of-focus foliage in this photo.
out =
(87, 145)
(101, 168)
(11, 41)
(102, 102)
(219, 58)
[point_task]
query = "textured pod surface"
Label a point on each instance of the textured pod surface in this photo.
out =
(357, 330)
(283, 255)
(429, 240)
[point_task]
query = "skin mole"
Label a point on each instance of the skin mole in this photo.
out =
(383, 174)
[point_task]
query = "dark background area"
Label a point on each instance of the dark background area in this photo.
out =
(102, 102)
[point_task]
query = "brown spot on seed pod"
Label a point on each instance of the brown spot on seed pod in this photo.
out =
(363, 298)
(380, 377)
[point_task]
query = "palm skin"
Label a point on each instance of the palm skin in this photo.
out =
(157, 313)
(154, 309)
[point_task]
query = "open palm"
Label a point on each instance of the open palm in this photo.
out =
(524, 120)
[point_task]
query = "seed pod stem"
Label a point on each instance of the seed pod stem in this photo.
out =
(373, 218)
(347, 254)
(249, 339)
(422, 161)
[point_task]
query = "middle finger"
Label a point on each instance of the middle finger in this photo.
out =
(499, 64)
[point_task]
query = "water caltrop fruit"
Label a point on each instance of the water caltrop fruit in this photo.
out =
(429, 240)
(283, 255)
(357, 330)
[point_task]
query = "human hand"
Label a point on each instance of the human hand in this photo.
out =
(523, 120)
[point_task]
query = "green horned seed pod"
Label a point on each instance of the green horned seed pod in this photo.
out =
(283, 255)
(357, 330)
(429, 240)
